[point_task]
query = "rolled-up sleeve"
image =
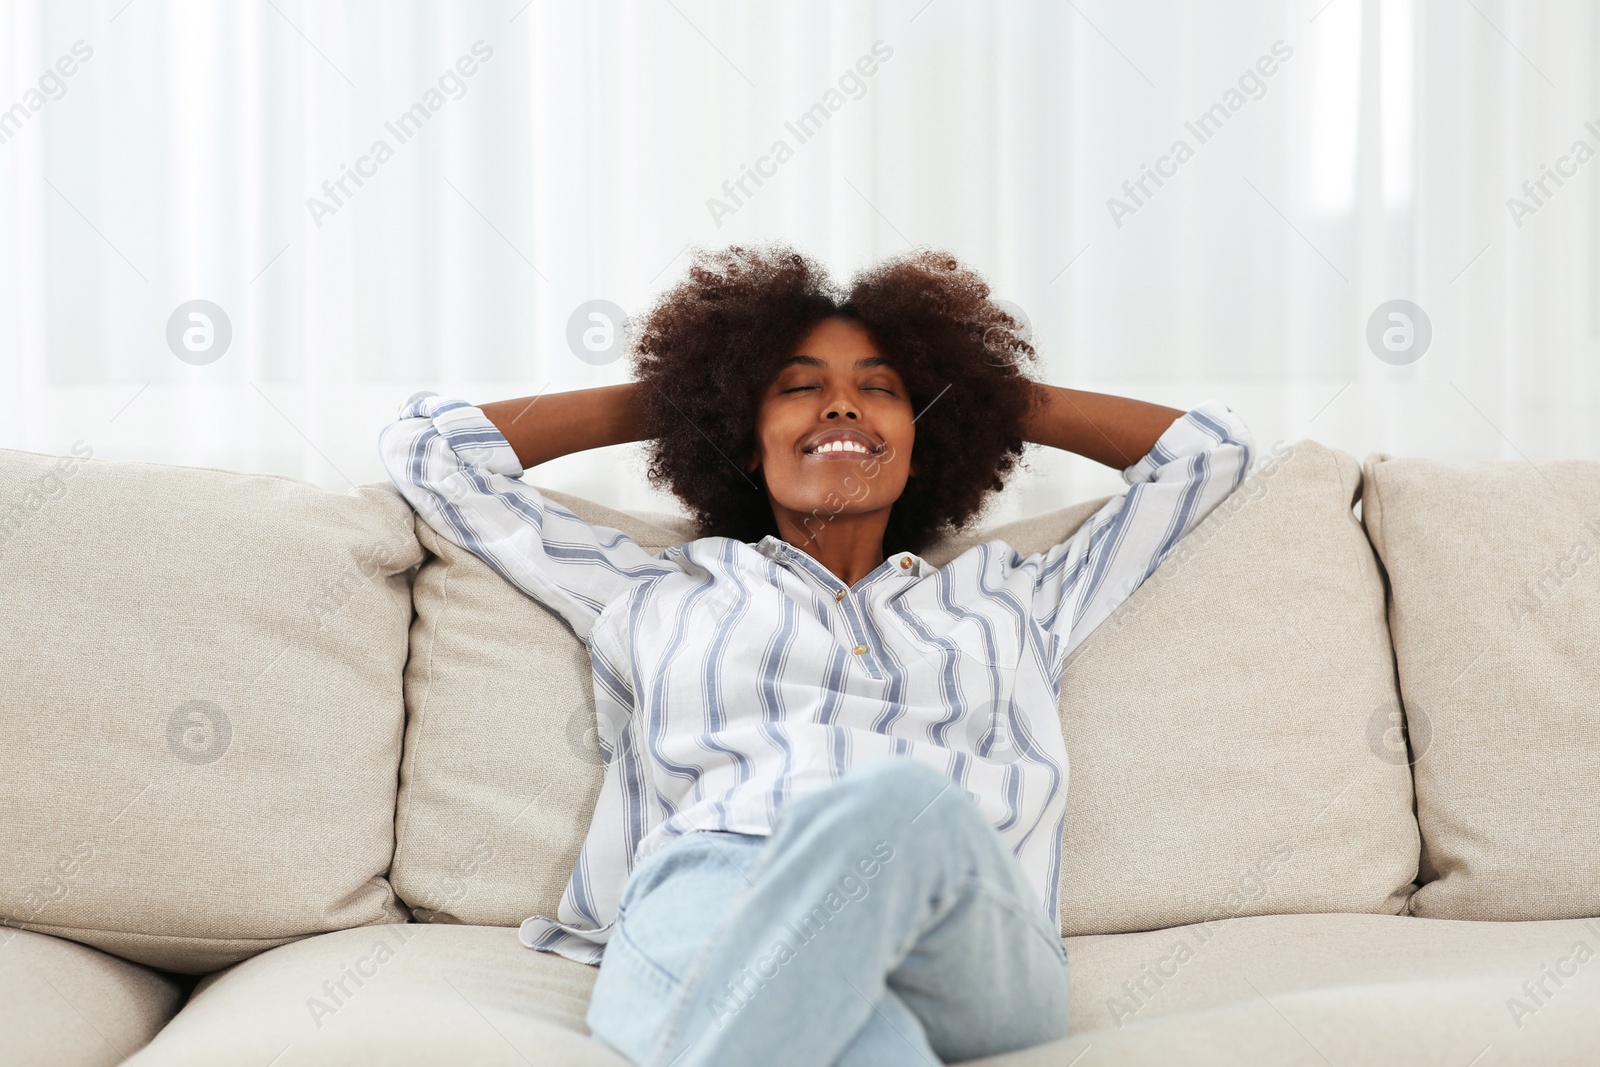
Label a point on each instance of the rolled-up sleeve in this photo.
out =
(461, 475)
(1200, 459)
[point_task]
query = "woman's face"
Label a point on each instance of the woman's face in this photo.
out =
(835, 428)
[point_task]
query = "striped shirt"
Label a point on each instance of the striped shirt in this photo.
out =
(730, 677)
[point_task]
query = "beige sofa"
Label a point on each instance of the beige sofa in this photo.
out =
(283, 770)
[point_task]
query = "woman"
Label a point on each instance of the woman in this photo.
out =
(830, 826)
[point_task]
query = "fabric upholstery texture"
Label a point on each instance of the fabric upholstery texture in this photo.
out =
(202, 711)
(1261, 639)
(1352, 990)
(1494, 571)
(1356, 989)
(1218, 722)
(404, 995)
(66, 1003)
(502, 765)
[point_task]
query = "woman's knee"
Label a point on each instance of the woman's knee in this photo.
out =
(894, 795)
(897, 785)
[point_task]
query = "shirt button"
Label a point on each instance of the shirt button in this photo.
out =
(905, 562)
(860, 650)
(839, 595)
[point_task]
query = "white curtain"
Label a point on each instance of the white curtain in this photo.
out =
(1341, 154)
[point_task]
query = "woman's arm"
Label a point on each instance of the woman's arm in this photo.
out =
(550, 425)
(1113, 430)
(461, 475)
(1194, 463)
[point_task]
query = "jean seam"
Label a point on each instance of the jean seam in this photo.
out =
(973, 883)
(637, 952)
(1028, 918)
(974, 880)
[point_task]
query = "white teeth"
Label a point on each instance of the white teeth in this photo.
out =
(843, 446)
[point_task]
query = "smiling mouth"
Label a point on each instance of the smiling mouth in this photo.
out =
(844, 449)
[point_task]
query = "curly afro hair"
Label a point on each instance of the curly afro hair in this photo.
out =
(711, 345)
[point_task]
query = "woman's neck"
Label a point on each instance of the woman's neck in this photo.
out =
(850, 546)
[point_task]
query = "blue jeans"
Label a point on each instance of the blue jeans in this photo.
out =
(883, 922)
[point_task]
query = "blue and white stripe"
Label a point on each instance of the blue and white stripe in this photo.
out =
(726, 676)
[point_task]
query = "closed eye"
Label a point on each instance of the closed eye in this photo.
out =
(802, 388)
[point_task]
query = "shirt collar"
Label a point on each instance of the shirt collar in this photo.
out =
(908, 564)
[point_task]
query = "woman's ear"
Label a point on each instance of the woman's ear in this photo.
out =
(753, 462)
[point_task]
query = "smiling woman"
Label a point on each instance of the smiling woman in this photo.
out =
(719, 352)
(834, 444)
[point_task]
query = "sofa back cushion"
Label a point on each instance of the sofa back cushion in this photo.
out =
(502, 762)
(1494, 571)
(1217, 724)
(1220, 722)
(202, 713)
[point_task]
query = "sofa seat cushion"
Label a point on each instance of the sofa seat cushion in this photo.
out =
(1495, 609)
(395, 994)
(202, 708)
(1266, 989)
(1343, 989)
(63, 1004)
